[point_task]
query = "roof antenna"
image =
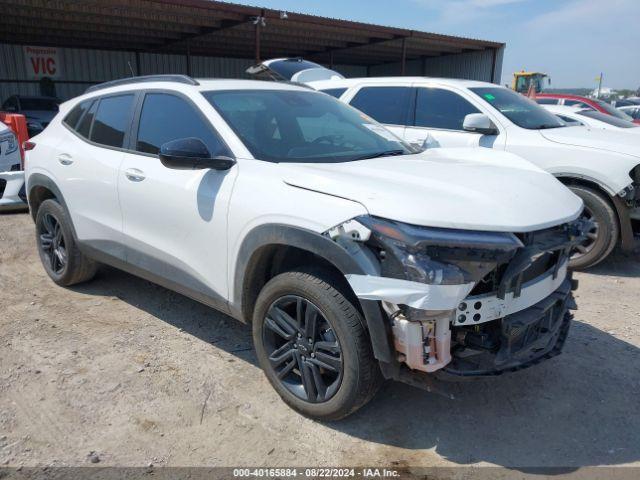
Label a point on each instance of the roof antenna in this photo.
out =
(130, 68)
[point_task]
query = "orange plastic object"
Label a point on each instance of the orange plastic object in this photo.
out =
(17, 123)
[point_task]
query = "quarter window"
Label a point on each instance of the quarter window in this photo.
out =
(84, 127)
(385, 104)
(437, 108)
(75, 115)
(166, 117)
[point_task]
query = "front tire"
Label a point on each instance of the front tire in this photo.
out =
(312, 345)
(60, 256)
(603, 237)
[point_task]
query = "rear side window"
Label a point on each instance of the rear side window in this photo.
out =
(385, 104)
(84, 127)
(437, 108)
(166, 117)
(112, 120)
(74, 116)
(334, 92)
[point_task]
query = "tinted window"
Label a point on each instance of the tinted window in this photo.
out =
(436, 108)
(167, 117)
(334, 92)
(384, 104)
(612, 111)
(547, 101)
(84, 127)
(303, 126)
(603, 117)
(34, 103)
(74, 115)
(521, 110)
(113, 119)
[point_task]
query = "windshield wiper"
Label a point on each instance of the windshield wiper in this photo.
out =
(547, 126)
(385, 153)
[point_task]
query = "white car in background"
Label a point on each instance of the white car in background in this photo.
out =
(632, 110)
(602, 167)
(11, 178)
(592, 119)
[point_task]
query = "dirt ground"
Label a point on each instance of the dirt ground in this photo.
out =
(133, 374)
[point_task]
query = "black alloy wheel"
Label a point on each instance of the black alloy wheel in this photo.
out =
(52, 243)
(303, 349)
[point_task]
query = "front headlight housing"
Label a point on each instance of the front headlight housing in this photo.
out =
(437, 256)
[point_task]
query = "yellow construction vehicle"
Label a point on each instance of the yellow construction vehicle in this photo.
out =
(530, 82)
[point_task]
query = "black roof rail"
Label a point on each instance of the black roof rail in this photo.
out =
(145, 78)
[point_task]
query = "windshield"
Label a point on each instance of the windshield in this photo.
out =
(603, 117)
(519, 109)
(300, 126)
(45, 104)
(613, 111)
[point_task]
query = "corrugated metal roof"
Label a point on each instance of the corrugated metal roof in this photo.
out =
(220, 29)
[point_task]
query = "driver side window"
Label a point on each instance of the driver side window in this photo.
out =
(166, 117)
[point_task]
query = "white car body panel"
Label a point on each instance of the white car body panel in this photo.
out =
(10, 200)
(605, 158)
(417, 189)
(588, 122)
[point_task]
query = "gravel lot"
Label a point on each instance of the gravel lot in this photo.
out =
(130, 374)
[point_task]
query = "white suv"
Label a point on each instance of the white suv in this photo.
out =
(602, 167)
(354, 257)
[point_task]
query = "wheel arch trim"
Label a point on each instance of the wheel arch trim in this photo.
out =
(325, 248)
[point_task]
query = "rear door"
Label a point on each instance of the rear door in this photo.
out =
(175, 221)
(438, 115)
(87, 161)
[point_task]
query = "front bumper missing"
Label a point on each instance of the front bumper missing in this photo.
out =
(485, 308)
(531, 327)
(526, 338)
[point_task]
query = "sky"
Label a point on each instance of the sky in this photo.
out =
(571, 40)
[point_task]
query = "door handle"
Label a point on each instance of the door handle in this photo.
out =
(65, 159)
(134, 174)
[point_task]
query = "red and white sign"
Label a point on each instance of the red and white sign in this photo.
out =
(42, 62)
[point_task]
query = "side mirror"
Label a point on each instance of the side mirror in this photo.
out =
(479, 123)
(192, 154)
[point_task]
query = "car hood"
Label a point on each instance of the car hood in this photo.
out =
(473, 189)
(609, 140)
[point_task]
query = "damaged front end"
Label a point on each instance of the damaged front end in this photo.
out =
(464, 302)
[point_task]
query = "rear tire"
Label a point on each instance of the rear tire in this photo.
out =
(600, 210)
(329, 395)
(59, 253)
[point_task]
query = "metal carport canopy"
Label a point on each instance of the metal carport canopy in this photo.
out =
(210, 28)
